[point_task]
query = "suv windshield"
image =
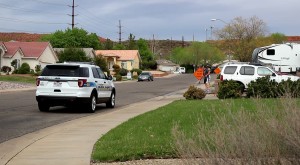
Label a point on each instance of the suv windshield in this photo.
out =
(65, 71)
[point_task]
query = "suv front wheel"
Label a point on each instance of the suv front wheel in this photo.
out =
(111, 102)
(92, 104)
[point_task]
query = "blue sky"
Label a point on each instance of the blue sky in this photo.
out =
(165, 19)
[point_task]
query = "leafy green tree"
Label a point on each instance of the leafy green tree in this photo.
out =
(239, 36)
(73, 54)
(131, 44)
(108, 45)
(144, 50)
(180, 55)
(197, 53)
(119, 47)
(101, 62)
(278, 38)
(77, 38)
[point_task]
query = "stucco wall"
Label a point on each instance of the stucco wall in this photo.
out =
(7, 61)
(48, 57)
(136, 63)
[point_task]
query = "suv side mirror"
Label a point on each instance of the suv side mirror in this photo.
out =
(109, 77)
(273, 75)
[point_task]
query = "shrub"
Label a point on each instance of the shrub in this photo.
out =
(37, 73)
(289, 88)
(15, 71)
(101, 62)
(24, 69)
(118, 77)
(6, 69)
(138, 71)
(116, 68)
(229, 89)
(194, 93)
(123, 72)
(135, 77)
(37, 68)
(149, 65)
(14, 63)
(263, 87)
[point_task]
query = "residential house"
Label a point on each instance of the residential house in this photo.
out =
(293, 39)
(127, 59)
(90, 52)
(166, 66)
(33, 53)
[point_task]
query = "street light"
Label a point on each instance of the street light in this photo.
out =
(206, 34)
(217, 19)
(227, 24)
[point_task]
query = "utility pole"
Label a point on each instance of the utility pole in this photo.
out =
(206, 34)
(153, 44)
(182, 43)
(193, 37)
(211, 31)
(73, 14)
(120, 32)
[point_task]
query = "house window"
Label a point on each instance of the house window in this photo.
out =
(124, 65)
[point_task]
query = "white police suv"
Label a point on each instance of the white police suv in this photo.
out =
(65, 84)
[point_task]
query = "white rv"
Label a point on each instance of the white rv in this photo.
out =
(282, 57)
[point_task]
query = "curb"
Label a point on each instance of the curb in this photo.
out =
(17, 90)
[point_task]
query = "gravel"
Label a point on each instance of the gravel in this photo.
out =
(11, 85)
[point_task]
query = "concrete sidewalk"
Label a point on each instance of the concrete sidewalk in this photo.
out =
(71, 143)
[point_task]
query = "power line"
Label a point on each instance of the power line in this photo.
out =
(2, 5)
(49, 3)
(24, 31)
(87, 19)
(97, 18)
(28, 21)
(93, 22)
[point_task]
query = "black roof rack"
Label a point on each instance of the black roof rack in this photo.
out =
(255, 64)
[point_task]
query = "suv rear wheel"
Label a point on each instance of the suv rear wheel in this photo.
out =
(43, 107)
(92, 104)
(111, 101)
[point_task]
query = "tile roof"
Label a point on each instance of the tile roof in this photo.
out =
(28, 49)
(124, 55)
(293, 38)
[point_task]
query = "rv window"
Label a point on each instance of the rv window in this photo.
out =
(271, 52)
(246, 70)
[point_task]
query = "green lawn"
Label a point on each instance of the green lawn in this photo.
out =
(18, 78)
(206, 127)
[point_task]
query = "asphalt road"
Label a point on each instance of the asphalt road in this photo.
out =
(19, 113)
